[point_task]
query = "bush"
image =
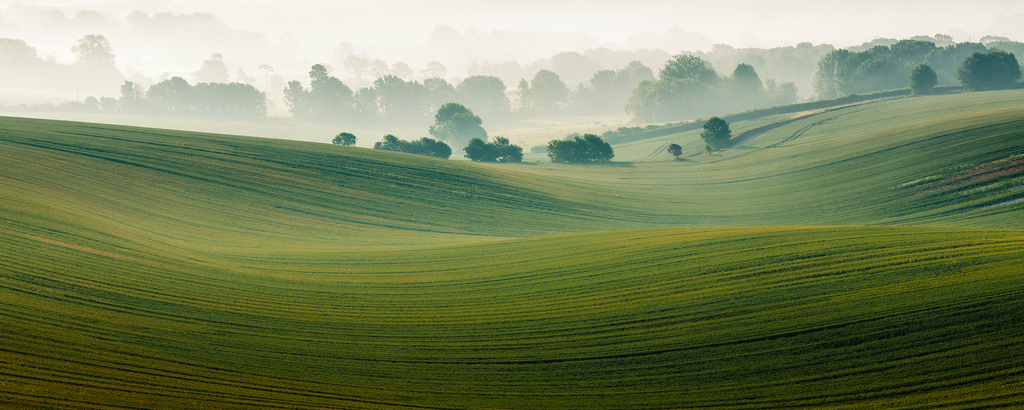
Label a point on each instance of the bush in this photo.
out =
(422, 146)
(500, 150)
(589, 148)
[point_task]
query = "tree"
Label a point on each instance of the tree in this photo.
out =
(500, 150)
(400, 100)
(439, 93)
(686, 66)
(457, 124)
(548, 91)
(94, 65)
(297, 100)
(589, 148)
(357, 65)
(267, 69)
(746, 83)
(401, 70)
(14, 51)
(212, 71)
(345, 138)
(485, 94)
(946, 60)
(329, 98)
(93, 50)
(826, 85)
(172, 96)
(716, 134)
(675, 150)
(987, 71)
(434, 69)
(132, 97)
(923, 79)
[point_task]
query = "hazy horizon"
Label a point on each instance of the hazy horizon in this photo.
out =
(160, 38)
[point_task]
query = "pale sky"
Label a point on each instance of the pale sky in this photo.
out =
(403, 23)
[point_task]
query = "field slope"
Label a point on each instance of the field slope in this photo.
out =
(739, 318)
(147, 268)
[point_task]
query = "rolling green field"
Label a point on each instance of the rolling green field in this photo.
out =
(867, 256)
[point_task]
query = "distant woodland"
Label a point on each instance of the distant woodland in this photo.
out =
(684, 86)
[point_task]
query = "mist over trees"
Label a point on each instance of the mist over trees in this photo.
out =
(175, 96)
(886, 64)
(353, 86)
(986, 71)
(689, 87)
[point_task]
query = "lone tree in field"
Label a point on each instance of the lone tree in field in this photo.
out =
(457, 124)
(716, 134)
(589, 148)
(923, 79)
(500, 150)
(675, 150)
(988, 71)
(345, 138)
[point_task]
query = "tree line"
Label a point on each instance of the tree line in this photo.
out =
(393, 99)
(886, 67)
(176, 96)
(689, 87)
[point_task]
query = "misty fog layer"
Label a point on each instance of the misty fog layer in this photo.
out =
(512, 41)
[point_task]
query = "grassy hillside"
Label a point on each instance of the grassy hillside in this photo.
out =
(938, 160)
(201, 191)
(147, 268)
(738, 318)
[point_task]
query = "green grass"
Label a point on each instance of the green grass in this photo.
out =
(148, 268)
(665, 318)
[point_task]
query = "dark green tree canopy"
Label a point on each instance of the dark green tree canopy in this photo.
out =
(500, 150)
(422, 146)
(588, 148)
(345, 138)
(675, 149)
(987, 71)
(457, 124)
(716, 134)
(923, 79)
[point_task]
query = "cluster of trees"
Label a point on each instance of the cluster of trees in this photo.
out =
(884, 67)
(580, 149)
(500, 150)
(794, 64)
(688, 87)
(176, 96)
(457, 124)
(422, 146)
(393, 99)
